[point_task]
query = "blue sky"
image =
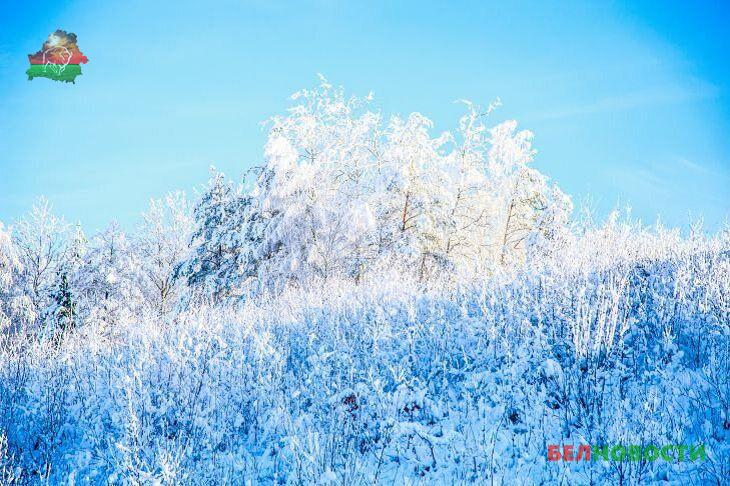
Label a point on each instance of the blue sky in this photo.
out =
(630, 102)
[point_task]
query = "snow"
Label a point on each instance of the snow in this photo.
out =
(375, 305)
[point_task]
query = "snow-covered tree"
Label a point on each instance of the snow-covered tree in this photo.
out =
(161, 243)
(14, 306)
(40, 242)
(527, 204)
(311, 197)
(219, 260)
(61, 314)
(108, 283)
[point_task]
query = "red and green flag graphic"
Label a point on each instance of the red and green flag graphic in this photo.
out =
(59, 59)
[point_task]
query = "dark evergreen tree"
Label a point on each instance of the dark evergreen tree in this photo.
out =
(63, 311)
(224, 242)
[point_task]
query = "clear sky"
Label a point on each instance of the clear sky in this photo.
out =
(630, 102)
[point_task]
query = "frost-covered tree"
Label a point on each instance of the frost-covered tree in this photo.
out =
(62, 311)
(108, 283)
(311, 196)
(61, 314)
(470, 202)
(161, 243)
(416, 195)
(40, 242)
(14, 306)
(9, 261)
(526, 203)
(218, 256)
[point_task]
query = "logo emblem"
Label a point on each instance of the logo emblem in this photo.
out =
(59, 59)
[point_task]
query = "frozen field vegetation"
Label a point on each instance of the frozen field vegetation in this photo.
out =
(374, 304)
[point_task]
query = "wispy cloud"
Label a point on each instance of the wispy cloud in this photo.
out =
(667, 178)
(656, 96)
(693, 166)
(645, 180)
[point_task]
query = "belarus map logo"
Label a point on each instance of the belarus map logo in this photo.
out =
(59, 59)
